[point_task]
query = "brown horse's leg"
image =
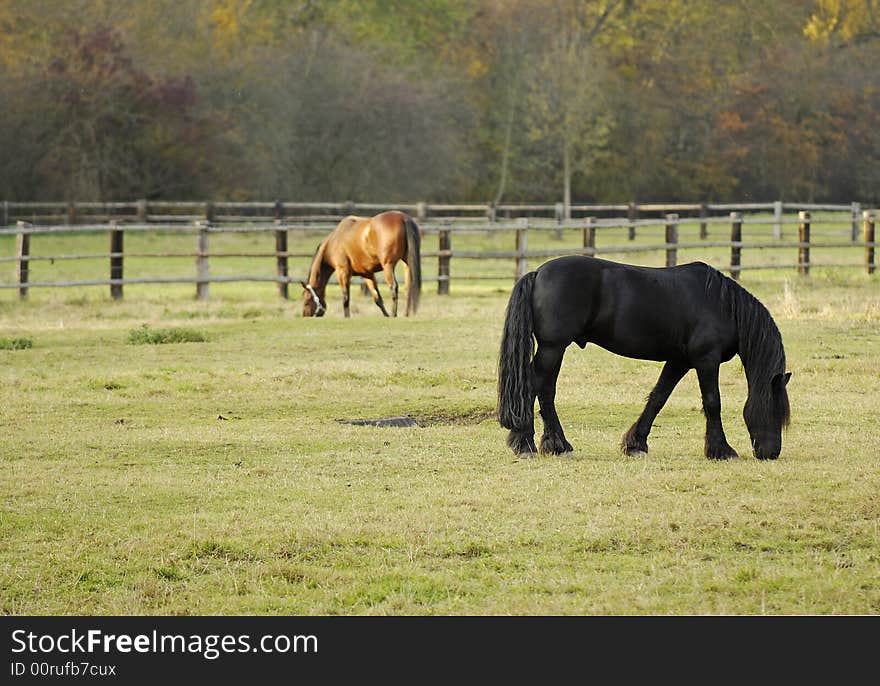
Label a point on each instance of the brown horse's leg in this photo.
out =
(407, 284)
(370, 284)
(391, 280)
(344, 280)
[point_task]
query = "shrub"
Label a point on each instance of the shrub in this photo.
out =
(20, 343)
(144, 335)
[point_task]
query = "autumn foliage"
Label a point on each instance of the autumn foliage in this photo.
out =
(602, 100)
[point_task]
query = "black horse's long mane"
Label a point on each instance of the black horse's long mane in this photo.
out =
(760, 343)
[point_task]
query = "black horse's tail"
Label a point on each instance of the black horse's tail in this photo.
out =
(414, 262)
(516, 404)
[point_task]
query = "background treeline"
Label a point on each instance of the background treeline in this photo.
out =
(398, 100)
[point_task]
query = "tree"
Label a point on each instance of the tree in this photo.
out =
(336, 123)
(112, 131)
(568, 117)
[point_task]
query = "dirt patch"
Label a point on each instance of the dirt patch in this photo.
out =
(388, 421)
(463, 417)
(475, 415)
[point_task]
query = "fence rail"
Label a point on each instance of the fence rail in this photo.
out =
(281, 225)
(163, 211)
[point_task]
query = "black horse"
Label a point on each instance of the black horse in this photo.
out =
(690, 317)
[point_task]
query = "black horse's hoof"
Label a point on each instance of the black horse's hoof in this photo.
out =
(632, 446)
(723, 452)
(523, 445)
(555, 444)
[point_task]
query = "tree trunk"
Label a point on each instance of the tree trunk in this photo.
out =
(566, 181)
(505, 153)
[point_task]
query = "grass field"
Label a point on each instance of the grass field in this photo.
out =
(213, 478)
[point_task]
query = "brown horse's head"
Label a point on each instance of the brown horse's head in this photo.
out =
(314, 304)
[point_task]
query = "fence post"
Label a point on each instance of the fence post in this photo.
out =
(522, 244)
(4, 219)
(671, 240)
(559, 214)
(632, 214)
(589, 236)
(444, 246)
(22, 250)
(736, 229)
(71, 213)
(281, 247)
(869, 218)
(116, 269)
(421, 211)
(281, 258)
(704, 226)
(856, 213)
(804, 240)
(491, 213)
(777, 220)
(209, 212)
(141, 211)
(202, 261)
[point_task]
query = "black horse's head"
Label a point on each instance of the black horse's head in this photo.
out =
(766, 412)
(314, 304)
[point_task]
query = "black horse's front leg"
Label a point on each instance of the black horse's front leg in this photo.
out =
(545, 371)
(635, 441)
(717, 447)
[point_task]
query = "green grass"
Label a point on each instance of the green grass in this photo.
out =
(213, 477)
(145, 335)
(16, 343)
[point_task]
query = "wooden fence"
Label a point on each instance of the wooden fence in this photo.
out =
(279, 220)
(165, 212)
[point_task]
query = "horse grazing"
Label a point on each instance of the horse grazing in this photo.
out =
(362, 246)
(690, 317)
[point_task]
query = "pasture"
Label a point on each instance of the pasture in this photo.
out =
(211, 477)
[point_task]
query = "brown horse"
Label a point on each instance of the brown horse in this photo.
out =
(362, 246)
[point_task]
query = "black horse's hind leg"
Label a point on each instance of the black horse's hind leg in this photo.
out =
(635, 441)
(717, 447)
(545, 371)
(522, 442)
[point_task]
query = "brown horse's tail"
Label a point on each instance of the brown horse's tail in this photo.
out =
(414, 262)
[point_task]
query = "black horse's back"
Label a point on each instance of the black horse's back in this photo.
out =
(566, 298)
(641, 312)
